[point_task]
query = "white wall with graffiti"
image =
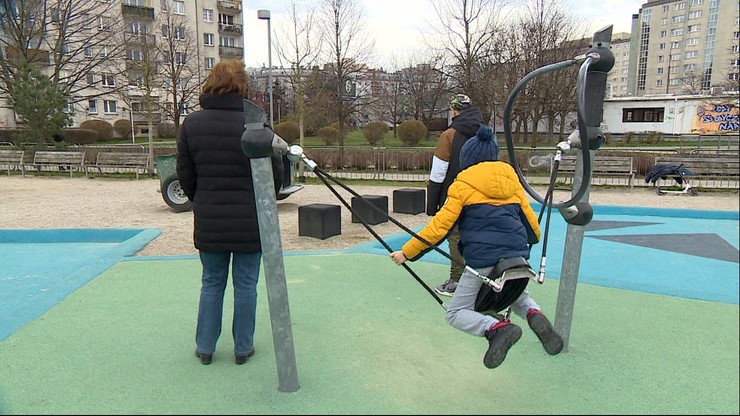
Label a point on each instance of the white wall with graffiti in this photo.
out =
(677, 115)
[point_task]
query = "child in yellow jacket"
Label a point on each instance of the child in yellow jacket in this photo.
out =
(496, 222)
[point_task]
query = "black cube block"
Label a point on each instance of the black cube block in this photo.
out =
(319, 220)
(363, 207)
(409, 200)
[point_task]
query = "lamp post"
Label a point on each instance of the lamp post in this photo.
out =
(131, 120)
(265, 15)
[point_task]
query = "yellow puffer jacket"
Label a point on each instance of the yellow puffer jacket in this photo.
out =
(494, 217)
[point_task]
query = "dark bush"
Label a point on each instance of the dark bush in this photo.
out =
(167, 130)
(123, 128)
(329, 135)
(104, 129)
(411, 132)
(80, 136)
(288, 130)
(11, 135)
(375, 131)
(437, 124)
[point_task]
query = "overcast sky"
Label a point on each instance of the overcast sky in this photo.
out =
(388, 22)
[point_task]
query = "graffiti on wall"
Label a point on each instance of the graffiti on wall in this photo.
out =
(717, 118)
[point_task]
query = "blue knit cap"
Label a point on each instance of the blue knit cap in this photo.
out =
(479, 148)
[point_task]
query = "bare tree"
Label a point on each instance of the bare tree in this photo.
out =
(177, 51)
(300, 49)
(691, 83)
(347, 48)
(77, 41)
(467, 29)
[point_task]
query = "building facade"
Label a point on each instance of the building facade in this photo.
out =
(152, 59)
(685, 47)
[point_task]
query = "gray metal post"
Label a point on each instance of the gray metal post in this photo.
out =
(274, 268)
(259, 144)
(571, 264)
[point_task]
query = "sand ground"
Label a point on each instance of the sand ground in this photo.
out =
(61, 202)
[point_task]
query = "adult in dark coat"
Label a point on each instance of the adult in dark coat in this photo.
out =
(216, 176)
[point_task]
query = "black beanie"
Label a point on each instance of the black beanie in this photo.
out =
(479, 148)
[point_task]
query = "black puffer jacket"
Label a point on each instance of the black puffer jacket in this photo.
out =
(216, 175)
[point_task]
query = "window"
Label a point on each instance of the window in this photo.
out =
(663, 21)
(88, 52)
(695, 14)
(694, 28)
(678, 19)
(696, 2)
(663, 33)
(676, 32)
(165, 31)
(661, 46)
(660, 58)
(665, 9)
(185, 109)
(208, 15)
(103, 51)
(673, 70)
(136, 28)
(692, 41)
(109, 106)
(659, 83)
(210, 62)
(104, 23)
(108, 80)
(208, 39)
(675, 45)
(137, 107)
(180, 58)
(689, 68)
(179, 33)
(640, 115)
(225, 19)
(227, 41)
(660, 70)
(138, 3)
(736, 35)
(679, 6)
(735, 62)
(134, 54)
(735, 48)
(733, 77)
(164, 5)
(90, 78)
(691, 54)
(178, 7)
(673, 82)
(676, 57)
(92, 107)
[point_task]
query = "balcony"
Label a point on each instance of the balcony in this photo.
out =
(32, 55)
(139, 39)
(230, 29)
(230, 51)
(138, 12)
(230, 6)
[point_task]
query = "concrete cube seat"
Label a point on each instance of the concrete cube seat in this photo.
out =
(319, 220)
(362, 209)
(409, 200)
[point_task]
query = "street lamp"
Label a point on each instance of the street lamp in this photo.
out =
(265, 15)
(131, 120)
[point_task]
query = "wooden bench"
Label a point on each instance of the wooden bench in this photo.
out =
(12, 159)
(717, 169)
(602, 166)
(119, 160)
(70, 160)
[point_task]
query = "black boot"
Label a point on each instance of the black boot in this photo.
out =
(551, 340)
(500, 338)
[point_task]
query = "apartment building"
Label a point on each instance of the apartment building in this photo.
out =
(182, 38)
(685, 47)
(617, 82)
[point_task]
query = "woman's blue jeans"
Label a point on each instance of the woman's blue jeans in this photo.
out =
(245, 275)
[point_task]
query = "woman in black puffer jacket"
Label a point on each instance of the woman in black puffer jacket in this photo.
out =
(216, 176)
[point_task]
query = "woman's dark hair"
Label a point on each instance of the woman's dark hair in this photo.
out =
(227, 76)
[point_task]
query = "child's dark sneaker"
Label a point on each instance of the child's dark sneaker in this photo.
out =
(500, 338)
(551, 340)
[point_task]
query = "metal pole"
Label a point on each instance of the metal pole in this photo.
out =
(269, 62)
(258, 143)
(131, 119)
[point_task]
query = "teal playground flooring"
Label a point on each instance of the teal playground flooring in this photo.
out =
(87, 328)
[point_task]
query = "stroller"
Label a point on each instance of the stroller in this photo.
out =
(679, 174)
